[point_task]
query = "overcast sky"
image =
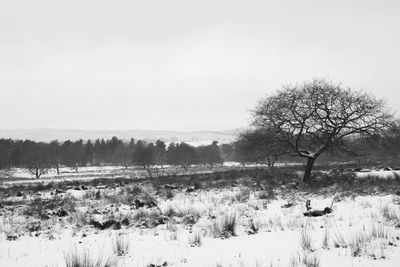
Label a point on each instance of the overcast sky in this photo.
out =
(183, 65)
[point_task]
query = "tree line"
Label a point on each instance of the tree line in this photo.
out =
(260, 145)
(39, 157)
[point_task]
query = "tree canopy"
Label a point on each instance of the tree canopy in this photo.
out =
(314, 115)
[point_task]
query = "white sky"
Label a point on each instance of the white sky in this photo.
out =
(183, 65)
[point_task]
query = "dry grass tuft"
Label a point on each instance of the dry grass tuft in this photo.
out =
(305, 239)
(311, 260)
(196, 239)
(84, 258)
(226, 226)
(120, 245)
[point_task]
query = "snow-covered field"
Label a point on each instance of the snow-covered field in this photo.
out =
(224, 221)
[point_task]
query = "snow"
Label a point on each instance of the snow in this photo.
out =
(274, 247)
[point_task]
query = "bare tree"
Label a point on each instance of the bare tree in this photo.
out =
(123, 155)
(313, 116)
(36, 158)
(263, 145)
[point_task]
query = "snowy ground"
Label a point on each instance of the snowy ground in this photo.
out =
(207, 222)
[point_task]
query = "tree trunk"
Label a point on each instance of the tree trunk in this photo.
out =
(147, 168)
(307, 173)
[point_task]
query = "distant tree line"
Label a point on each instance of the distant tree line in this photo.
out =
(39, 157)
(262, 146)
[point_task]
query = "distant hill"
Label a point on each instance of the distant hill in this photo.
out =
(193, 138)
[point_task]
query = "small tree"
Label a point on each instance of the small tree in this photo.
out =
(36, 158)
(242, 151)
(160, 153)
(181, 154)
(313, 116)
(144, 156)
(6, 148)
(263, 145)
(209, 154)
(54, 150)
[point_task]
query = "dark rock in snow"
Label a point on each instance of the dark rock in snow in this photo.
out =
(59, 191)
(61, 213)
(189, 219)
(287, 205)
(106, 224)
(158, 265)
(317, 213)
(139, 203)
(168, 186)
(151, 204)
(125, 222)
(190, 189)
(12, 237)
(117, 226)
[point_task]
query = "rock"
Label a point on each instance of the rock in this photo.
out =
(158, 265)
(20, 194)
(83, 187)
(160, 220)
(45, 216)
(102, 226)
(190, 189)
(59, 191)
(61, 213)
(97, 195)
(117, 226)
(34, 227)
(96, 224)
(151, 204)
(139, 203)
(108, 224)
(317, 213)
(12, 237)
(168, 186)
(287, 205)
(125, 222)
(189, 219)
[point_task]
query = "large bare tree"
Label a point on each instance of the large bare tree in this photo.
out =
(315, 115)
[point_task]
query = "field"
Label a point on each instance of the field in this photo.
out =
(230, 216)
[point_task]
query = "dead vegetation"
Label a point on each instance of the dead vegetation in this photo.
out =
(219, 205)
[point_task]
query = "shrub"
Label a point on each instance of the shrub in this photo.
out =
(75, 258)
(338, 239)
(326, 239)
(226, 226)
(380, 231)
(120, 245)
(254, 226)
(305, 240)
(195, 239)
(311, 260)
